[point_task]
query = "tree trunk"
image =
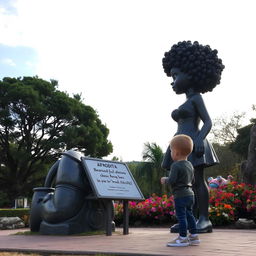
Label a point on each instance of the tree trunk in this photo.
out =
(248, 167)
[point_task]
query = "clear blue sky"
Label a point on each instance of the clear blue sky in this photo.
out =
(17, 61)
(111, 52)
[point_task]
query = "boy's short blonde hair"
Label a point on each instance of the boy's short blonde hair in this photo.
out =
(183, 143)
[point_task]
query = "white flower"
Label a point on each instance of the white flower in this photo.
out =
(225, 215)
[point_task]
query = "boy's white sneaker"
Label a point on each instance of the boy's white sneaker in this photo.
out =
(194, 240)
(179, 242)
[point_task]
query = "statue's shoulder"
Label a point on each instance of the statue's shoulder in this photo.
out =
(196, 98)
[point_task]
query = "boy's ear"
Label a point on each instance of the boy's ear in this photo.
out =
(177, 153)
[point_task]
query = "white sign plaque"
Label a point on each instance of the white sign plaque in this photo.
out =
(111, 179)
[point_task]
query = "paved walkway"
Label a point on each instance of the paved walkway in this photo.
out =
(140, 241)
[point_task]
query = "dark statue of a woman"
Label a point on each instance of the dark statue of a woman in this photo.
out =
(195, 69)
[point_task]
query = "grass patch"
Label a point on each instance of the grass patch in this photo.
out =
(26, 233)
(90, 233)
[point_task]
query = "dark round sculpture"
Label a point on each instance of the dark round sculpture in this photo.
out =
(66, 204)
(195, 69)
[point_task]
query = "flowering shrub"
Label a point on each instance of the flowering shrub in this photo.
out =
(226, 205)
(153, 210)
(222, 210)
(244, 199)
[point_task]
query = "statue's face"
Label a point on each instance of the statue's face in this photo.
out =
(181, 81)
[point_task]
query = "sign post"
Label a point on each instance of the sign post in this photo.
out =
(126, 217)
(112, 180)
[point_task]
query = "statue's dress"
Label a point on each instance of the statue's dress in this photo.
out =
(188, 119)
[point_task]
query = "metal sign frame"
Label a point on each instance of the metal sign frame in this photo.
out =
(111, 179)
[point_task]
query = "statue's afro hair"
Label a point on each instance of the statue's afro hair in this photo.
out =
(198, 61)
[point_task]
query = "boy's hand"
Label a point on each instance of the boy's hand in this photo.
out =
(163, 180)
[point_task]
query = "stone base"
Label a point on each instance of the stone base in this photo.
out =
(245, 224)
(91, 217)
(61, 228)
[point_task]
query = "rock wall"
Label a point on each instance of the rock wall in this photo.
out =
(248, 167)
(11, 223)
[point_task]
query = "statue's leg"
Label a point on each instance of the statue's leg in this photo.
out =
(166, 163)
(195, 206)
(202, 201)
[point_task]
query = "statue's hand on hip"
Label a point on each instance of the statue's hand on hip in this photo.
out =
(199, 147)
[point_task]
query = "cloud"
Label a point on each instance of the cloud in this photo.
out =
(111, 51)
(7, 7)
(29, 64)
(9, 62)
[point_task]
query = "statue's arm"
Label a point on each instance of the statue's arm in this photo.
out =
(51, 174)
(207, 124)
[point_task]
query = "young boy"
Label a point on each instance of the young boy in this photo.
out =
(180, 179)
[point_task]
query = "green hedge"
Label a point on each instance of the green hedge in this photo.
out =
(22, 213)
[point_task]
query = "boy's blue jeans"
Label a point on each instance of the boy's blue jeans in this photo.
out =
(184, 214)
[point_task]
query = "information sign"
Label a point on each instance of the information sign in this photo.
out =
(111, 179)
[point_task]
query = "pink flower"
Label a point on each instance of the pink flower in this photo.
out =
(153, 209)
(132, 203)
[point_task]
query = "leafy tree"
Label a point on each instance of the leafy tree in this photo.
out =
(248, 167)
(37, 123)
(240, 145)
(134, 167)
(115, 158)
(153, 155)
(225, 128)
(143, 176)
(229, 162)
(229, 131)
(234, 140)
(148, 173)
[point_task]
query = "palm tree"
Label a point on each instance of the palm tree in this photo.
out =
(151, 169)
